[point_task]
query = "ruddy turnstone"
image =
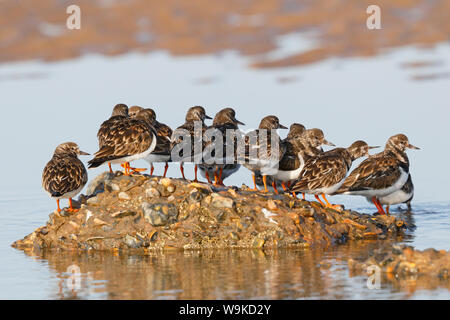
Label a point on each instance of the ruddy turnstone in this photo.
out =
(325, 173)
(381, 174)
(404, 195)
(185, 137)
(264, 149)
(163, 136)
(305, 145)
(224, 165)
(64, 176)
(132, 139)
(108, 128)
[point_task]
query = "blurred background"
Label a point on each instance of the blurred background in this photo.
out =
(312, 62)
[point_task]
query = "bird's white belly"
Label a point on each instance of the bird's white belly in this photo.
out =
(151, 158)
(396, 197)
(68, 195)
(287, 175)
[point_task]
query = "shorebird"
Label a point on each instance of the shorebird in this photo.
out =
(291, 164)
(381, 174)
(109, 127)
(264, 149)
(224, 165)
(305, 145)
(64, 176)
(185, 137)
(326, 172)
(132, 139)
(163, 136)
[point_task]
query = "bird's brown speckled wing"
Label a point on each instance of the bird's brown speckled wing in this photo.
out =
(263, 148)
(374, 173)
(321, 172)
(290, 160)
(63, 174)
(189, 129)
(130, 137)
(163, 136)
(108, 129)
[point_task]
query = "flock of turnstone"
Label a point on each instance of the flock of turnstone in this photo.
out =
(302, 165)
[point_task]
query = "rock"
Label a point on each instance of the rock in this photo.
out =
(166, 182)
(124, 196)
(122, 214)
(160, 214)
(171, 189)
(152, 193)
(219, 201)
(132, 242)
(98, 184)
(92, 201)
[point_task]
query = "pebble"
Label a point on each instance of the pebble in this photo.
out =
(165, 182)
(92, 200)
(219, 201)
(160, 214)
(271, 205)
(132, 242)
(152, 193)
(124, 196)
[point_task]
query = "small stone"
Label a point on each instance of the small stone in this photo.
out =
(165, 182)
(258, 243)
(98, 184)
(160, 214)
(122, 214)
(219, 201)
(171, 198)
(152, 193)
(132, 242)
(171, 189)
(99, 222)
(92, 201)
(124, 196)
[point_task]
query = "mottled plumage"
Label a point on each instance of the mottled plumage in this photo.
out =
(64, 176)
(223, 166)
(130, 140)
(381, 174)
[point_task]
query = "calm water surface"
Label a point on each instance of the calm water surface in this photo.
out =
(70, 100)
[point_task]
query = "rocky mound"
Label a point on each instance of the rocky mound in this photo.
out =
(142, 212)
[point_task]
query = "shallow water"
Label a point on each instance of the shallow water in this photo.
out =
(367, 99)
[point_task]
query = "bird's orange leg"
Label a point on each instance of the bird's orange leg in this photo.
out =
(318, 199)
(303, 196)
(195, 173)
(182, 170)
(254, 183)
(387, 210)
(152, 169)
(207, 177)
(216, 178)
(283, 186)
(166, 167)
(274, 186)
(71, 208)
(294, 195)
(380, 209)
(265, 183)
(57, 203)
(135, 170)
(110, 168)
(126, 170)
(329, 205)
(220, 176)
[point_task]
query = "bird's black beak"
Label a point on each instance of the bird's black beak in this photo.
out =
(239, 122)
(82, 153)
(328, 143)
(280, 126)
(410, 146)
(207, 117)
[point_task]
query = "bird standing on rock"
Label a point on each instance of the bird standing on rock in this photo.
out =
(131, 139)
(64, 176)
(185, 137)
(221, 166)
(264, 149)
(163, 142)
(108, 128)
(381, 174)
(325, 173)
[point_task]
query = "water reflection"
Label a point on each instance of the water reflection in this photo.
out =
(223, 274)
